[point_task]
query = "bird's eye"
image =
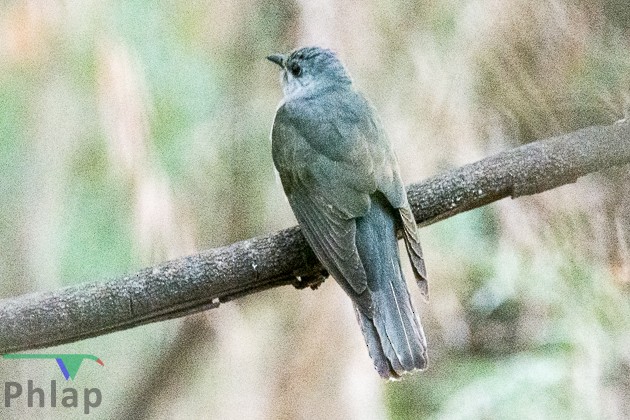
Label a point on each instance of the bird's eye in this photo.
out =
(295, 69)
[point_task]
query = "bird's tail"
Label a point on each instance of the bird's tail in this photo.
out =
(392, 332)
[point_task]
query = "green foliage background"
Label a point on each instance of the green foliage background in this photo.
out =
(132, 132)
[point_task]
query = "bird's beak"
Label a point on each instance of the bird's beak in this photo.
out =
(279, 59)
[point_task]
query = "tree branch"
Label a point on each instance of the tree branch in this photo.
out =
(203, 281)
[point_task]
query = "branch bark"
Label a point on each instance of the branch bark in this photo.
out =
(191, 284)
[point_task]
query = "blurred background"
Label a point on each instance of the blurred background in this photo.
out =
(132, 132)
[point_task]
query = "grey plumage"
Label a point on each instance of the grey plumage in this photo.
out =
(342, 181)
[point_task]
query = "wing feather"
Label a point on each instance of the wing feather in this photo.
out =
(333, 241)
(414, 250)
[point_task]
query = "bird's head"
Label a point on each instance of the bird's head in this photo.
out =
(308, 70)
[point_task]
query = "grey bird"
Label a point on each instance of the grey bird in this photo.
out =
(342, 181)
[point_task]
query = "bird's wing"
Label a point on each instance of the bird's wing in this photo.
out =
(327, 189)
(332, 238)
(391, 185)
(386, 176)
(414, 250)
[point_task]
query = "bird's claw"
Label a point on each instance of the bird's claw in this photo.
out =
(312, 280)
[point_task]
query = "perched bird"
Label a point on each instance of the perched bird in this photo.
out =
(343, 183)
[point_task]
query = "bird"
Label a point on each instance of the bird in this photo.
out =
(343, 183)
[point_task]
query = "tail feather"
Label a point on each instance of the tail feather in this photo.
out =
(394, 335)
(382, 363)
(393, 332)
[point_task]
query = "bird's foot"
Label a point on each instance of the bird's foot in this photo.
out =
(312, 280)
